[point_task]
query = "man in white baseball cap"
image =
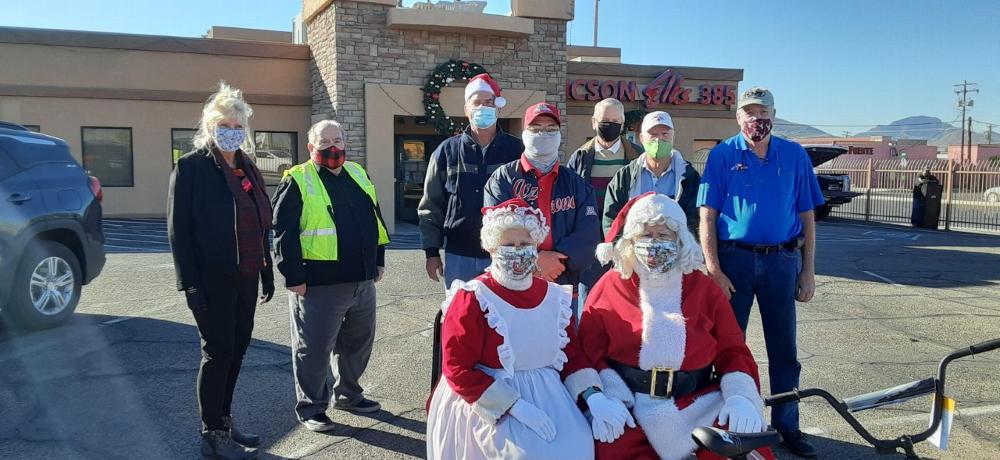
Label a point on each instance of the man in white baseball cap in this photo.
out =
(660, 169)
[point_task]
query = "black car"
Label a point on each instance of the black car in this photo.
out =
(836, 187)
(51, 241)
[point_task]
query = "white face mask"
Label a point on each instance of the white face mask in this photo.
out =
(542, 149)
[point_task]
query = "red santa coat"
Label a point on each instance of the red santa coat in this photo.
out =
(468, 340)
(687, 327)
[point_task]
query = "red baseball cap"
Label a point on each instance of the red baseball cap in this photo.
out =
(541, 109)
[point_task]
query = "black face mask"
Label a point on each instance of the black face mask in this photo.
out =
(609, 130)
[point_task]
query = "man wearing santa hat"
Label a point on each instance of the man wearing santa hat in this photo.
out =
(565, 199)
(664, 339)
(453, 188)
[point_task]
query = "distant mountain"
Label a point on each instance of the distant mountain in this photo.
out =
(918, 127)
(791, 129)
(954, 137)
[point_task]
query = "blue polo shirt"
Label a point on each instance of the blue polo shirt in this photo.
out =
(759, 200)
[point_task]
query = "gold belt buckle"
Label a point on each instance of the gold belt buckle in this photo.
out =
(670, 382)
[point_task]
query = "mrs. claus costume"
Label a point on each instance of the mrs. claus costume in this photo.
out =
(509, 344)
(636, 320)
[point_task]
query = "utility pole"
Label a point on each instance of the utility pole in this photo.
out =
(596, 2)
(846, 133)
(970, 139)
(964, 102)
(989, 133)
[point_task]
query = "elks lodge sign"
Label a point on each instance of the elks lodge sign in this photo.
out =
(667, 88)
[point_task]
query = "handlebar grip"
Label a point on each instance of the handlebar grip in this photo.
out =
(988, 345)
(782, 398)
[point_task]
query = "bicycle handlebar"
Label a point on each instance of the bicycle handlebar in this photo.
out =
(988, 345)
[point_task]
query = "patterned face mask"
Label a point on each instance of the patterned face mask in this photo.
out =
(229, 139)
(658, 256)
(331, 157)
(516, 263)
(757, 128)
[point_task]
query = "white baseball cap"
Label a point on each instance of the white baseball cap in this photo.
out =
(656, 118)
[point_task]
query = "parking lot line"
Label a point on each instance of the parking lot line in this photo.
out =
(876, 275)
(976, 411)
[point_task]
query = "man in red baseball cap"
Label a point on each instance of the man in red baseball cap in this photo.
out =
(564, 198)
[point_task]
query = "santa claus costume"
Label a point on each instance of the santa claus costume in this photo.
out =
(664, 339)
(512, 368)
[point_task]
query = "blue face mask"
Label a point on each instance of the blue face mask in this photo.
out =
(229, 139)
(483, 117)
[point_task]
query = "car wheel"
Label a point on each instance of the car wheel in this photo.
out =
(993, 197)
(822, 212)
(46, 287)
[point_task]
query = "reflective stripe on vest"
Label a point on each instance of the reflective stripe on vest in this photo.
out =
(318, 233)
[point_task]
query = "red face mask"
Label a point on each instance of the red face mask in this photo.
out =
(332, 157)
(757, 128)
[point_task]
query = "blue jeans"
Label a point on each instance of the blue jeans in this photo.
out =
(773, 278)
(463, 268)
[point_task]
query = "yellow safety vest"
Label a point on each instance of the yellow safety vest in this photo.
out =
(317, 231)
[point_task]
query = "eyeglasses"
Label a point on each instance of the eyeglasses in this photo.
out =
(541, 130)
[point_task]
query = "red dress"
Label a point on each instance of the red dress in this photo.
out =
(686, 324)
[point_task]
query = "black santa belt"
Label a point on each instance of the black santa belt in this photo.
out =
(663, 382)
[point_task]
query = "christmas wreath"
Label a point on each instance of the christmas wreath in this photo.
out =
(440, 78)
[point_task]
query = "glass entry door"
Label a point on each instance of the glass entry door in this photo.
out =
(412, 155)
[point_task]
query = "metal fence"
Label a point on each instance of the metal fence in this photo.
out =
(971, 198)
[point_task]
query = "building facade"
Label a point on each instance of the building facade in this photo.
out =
(127, 104)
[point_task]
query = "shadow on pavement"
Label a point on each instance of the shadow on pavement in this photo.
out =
(127, 390)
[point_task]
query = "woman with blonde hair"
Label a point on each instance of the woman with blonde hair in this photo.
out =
(218, 219)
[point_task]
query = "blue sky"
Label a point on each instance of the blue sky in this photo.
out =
(839, 65)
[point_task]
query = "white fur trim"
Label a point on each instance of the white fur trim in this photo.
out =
(476, 86)
(581, 380)
(741, 384)
(669, 429)
(605, 252)
(664, 332)
(500, 101)
(615, 387)
(495, 401)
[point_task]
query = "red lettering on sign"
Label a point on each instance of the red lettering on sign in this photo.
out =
(577, 90)
(628, 92)
(593, 90)
(608, 89)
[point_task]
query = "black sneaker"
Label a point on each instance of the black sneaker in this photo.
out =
(364, 406)
(219, 445)
(797, 443)
(245, 439)
(319, 423)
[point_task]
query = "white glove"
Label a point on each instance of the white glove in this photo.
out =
(609, 417)
(741, 415)
(533, 417)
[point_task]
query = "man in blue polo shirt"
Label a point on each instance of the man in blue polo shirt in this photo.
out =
(758, 233)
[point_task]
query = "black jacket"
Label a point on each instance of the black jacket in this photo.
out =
(201, 220)
(621, 185)
(358, 253)
(453, 192)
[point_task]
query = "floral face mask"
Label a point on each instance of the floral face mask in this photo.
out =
(658, 256)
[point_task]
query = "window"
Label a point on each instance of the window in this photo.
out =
(107, 155)
(180, 143)
(275, 153)
(33, 128)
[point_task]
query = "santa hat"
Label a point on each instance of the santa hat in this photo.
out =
(636, 213)
(513, 213)
(485, 83)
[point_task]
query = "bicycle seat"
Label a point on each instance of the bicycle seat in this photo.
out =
(729, 444)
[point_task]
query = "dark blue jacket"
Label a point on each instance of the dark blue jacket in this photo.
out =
(575, 221)
(451, 207)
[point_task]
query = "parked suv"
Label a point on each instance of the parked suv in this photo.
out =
(51, 242)
(836, 187)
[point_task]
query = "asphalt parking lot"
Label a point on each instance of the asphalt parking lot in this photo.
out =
(118, 381)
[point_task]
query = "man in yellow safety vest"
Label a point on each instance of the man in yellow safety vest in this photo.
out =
(329, 244)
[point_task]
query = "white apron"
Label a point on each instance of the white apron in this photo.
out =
(532, 356)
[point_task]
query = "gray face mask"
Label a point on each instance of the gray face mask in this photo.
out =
(542, 149)
(658, 256)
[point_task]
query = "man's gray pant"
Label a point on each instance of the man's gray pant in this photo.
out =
(332, 326)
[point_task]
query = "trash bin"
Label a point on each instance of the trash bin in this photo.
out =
(926, 202)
